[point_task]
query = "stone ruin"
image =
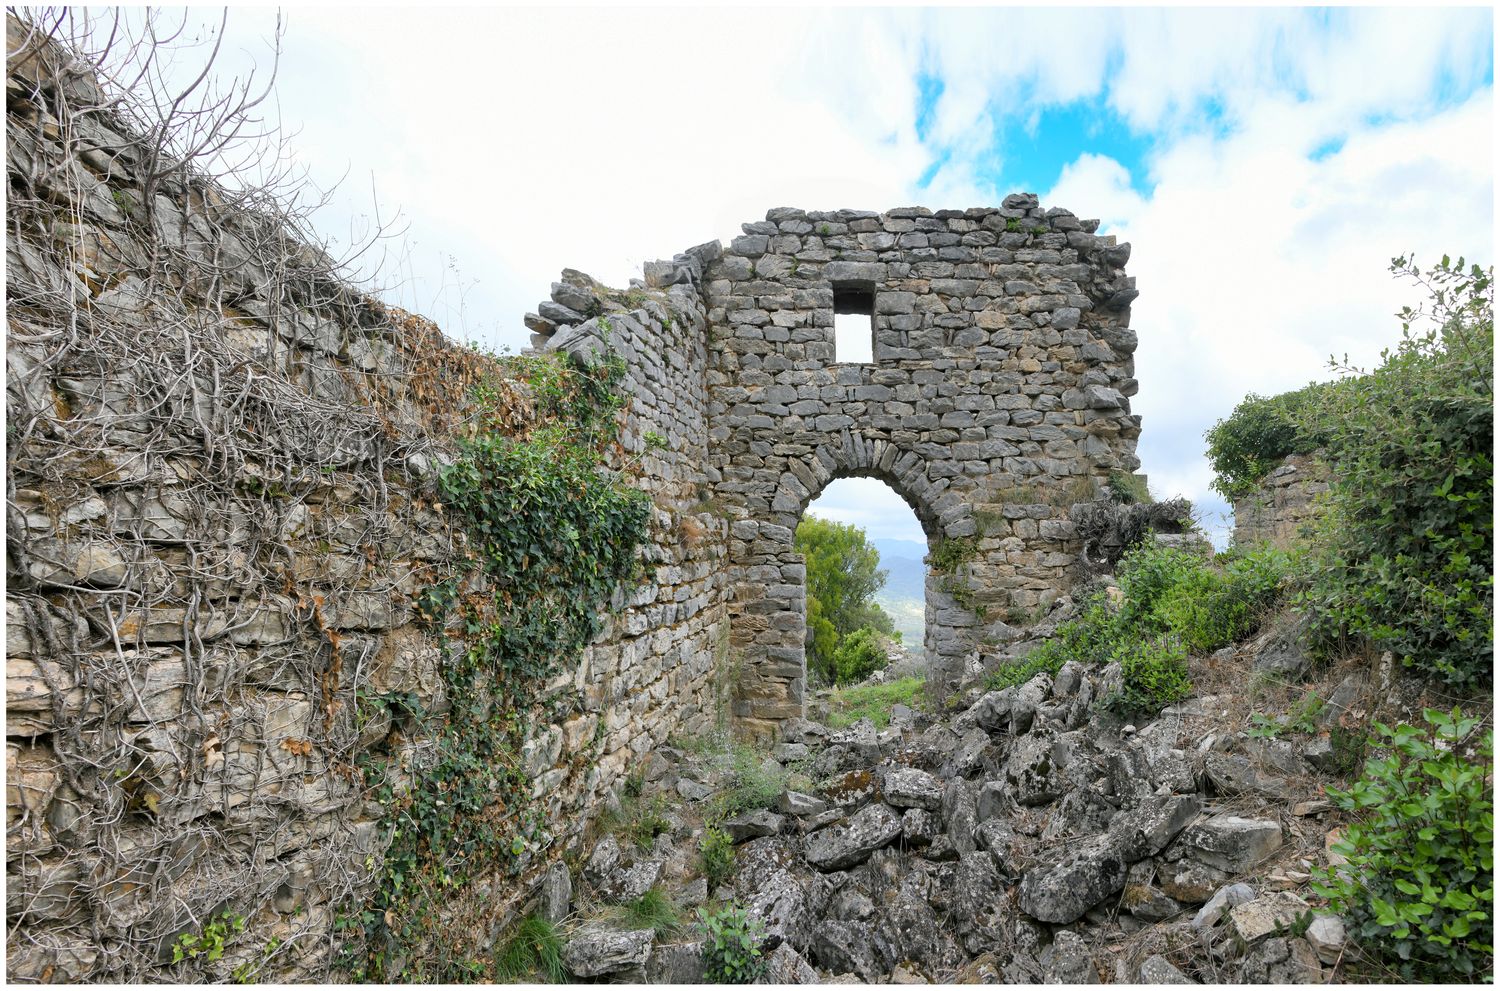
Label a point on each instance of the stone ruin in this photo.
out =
(219, 469)
(997, 398)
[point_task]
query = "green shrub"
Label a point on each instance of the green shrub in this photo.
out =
(716, 851)
(534, 949)
(849, 705)
(731, 951)
(1212, 608)
(858, 656)
(1259, 434)
(1419, 885)
(1154, 673)
(1147, 574)
(1405, 547)
(1089, 639)
(1172, 601)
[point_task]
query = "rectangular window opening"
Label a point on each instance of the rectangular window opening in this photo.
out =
(854, 324)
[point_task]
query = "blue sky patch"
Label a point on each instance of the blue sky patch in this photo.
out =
(1032, 153)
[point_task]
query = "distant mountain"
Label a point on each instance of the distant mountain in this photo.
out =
(904, 596)
(899, 548)
(907, 578)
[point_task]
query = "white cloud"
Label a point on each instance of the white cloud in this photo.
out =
(518, 142)
(871, 504)
(1256, 263)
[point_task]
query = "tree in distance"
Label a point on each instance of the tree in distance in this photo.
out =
(843, 575)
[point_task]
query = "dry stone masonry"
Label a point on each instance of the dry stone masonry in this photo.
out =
(220, 514)
(998, 398)
(221, 517)
(1282, 503)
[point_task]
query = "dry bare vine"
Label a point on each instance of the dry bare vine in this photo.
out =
(214, 522)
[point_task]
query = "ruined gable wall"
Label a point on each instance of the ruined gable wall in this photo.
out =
(998, 397)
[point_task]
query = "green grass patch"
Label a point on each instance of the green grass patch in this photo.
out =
(847, 706)
(654, 910)
(533, 951)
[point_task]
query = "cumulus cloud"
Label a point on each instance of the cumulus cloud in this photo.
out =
(1290, 154)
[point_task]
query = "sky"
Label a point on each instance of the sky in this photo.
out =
(1265, 163)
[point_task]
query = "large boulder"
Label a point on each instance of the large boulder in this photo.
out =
(841, 846)
(784, 966)
(779, 889)
(910, 788)
(1157, 969)
(845, 948)
(1232, 843)
(1281, 960)
(1035, 769)
(1068, 961)
(595, 951)
(1145, 830)
(1062, 892)
(977, 915)
(752, 825)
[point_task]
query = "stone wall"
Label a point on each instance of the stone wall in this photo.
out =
(998, 397)
(1282, 503)
(220, 507)
(221, 512)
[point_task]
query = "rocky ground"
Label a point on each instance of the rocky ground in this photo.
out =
(1023, 835)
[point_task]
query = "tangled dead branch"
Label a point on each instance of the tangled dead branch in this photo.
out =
(215, 522)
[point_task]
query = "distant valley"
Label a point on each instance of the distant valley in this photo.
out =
(904, 596)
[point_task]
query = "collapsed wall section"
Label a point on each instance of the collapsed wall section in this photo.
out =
(222, 515)
(997, 398)
(1282, 503)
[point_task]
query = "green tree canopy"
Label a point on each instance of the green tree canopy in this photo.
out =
(843, 575)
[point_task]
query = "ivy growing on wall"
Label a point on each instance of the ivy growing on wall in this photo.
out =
(552, 534)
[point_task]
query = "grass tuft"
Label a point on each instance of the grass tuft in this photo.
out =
(533, 951)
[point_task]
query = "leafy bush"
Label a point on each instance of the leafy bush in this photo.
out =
(1406, 552)
(1147, 575)
(1089, 639)
(858, 656)
(1154, 673)
(716, 850)
(1419, 885)
(1171, 601)
(534, 949)
(731, 952)
(1211, 608)
(1259, 434)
